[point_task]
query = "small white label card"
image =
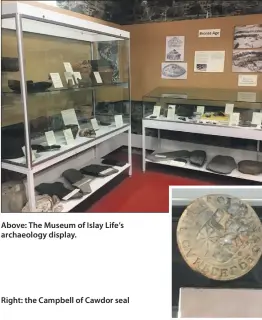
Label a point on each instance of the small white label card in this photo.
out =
(171, 111)
(69, 76)
(247, 80)
(50, 137)
(201, 109)
(229, 108)
(71, 194)
(94, 124)
(160, 156)
(69, 136)
(156, 111)
(257, 118)
(247, 96)
(57, 82)
(119, 120)
(68, 67)
(69, 117)
(234, 119)
(77, 76)
(98, 77)
(209, 33)
(32, 152)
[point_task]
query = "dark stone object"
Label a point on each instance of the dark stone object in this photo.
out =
(56, 189)
(97, 170)
(113, 162)
(104, 123)
(31, 86)
(222, 164)
(179, 155)
(250, 167)
(10, 64)
(40, 148)
(198, 158)
(78, 180)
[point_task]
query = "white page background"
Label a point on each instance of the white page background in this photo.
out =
(132, 262)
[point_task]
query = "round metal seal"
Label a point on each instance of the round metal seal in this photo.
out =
(220, 236)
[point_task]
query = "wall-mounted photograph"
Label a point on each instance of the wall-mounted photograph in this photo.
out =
(247, 61)
(248, 37)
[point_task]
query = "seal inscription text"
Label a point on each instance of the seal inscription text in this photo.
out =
(220, 237)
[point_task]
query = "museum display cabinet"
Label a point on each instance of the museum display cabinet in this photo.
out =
(65, 91)
(210, 119)
(181, 198)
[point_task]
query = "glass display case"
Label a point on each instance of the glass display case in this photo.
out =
(63, 86)
(209, 130)
(204, 106)
(65, 89)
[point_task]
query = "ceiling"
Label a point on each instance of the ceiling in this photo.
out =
(141, 11)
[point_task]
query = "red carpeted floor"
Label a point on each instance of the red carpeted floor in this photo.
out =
(143, 192)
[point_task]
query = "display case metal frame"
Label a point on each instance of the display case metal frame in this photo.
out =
(162, 123)
(17, 11)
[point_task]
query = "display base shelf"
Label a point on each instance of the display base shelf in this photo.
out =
(95, 185)
(162, 123)
(234, 174)
(48, 159)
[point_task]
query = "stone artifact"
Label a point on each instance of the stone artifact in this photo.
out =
(32, 87)
(222, 164)
(250, 167)
(78, 180)
(57, 189)
(220, 237)
(89, 133)
(198, 158)
(13, 196)
(45, 203)
(169, 155)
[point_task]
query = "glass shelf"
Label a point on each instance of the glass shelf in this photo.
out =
(78, 142)
(55, 91)
(242, 98)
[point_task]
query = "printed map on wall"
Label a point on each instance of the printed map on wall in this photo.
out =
(175, 48)
(247, 54)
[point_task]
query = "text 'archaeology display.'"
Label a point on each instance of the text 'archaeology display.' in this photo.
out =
(42, 231)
